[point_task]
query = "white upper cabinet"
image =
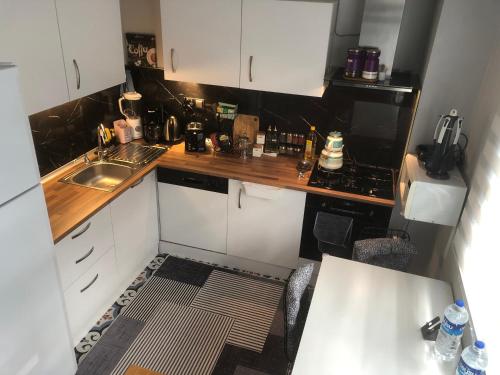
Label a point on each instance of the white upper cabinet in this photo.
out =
(92, 45)
(284, 46)
(201, 41)
(29, 38)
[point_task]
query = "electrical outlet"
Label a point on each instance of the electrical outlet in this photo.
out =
(196, 102)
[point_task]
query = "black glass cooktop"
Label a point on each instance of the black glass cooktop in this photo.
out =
(356, 179)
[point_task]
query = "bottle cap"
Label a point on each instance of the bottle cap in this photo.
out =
(479, 344)
(459, 303)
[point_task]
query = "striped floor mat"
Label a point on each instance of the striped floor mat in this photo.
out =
(156, 291)
(178, 340)
(251, 303)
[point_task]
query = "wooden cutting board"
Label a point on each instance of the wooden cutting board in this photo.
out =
(245, 124)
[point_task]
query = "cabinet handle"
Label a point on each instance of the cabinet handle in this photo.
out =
(239, 198)
(85, 256)
(90, 284)
(77, 71)
(172, 51)
(250, 78)
(137, 183)
(82, 231)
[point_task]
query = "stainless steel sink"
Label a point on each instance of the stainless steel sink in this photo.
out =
(100, 175)
(121, 163)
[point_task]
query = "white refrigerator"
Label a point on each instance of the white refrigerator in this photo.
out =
(34, 336)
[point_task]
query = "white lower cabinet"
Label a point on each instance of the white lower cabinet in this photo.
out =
(134, 215)
(78, 251)
(265, 223)
(91, 295)
(99, 259)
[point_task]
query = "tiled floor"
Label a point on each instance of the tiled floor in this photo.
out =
(184, 317)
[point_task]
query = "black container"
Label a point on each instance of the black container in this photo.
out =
(195, 137)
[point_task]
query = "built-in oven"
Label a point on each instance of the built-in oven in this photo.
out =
(364, 215)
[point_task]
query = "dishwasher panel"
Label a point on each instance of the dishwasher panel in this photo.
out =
(193, 209)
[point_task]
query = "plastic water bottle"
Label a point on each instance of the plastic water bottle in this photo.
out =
(474, 360)
(452, 327)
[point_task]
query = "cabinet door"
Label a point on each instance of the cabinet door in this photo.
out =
(91, 37)
(265, 223)
(29, 38)
(34, 336)
(284, 46)
(193, 217)
(134, 216)
(201, 41)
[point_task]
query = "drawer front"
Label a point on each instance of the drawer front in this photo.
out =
(90, 295)
(80, 249)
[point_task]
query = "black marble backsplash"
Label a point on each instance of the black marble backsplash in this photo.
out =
(64, 133)
(375, 124)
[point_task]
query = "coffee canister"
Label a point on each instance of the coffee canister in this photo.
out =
(370, 70)
(354, 62)
(331, 159)
(334, 141)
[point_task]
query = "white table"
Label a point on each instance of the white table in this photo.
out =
(366, 320)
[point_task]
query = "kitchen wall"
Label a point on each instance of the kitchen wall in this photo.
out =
(64, 133)
(460, 50)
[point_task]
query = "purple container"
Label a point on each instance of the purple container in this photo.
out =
(354, 62)
(370, 70)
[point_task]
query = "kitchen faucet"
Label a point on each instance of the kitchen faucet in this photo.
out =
(101, 152)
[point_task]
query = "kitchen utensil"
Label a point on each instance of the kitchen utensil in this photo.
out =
(334, 142)
(195, 137)
(122, 131)
(135, 123)
(152, 128)
(302, 167)
(443, 156)
(331, 159)
(248, 125)
(172, 129)
(243, 145)
(132, 105)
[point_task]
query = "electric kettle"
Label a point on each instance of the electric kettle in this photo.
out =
(172, 129)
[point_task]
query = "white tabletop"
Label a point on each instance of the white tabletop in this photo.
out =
(366, 320)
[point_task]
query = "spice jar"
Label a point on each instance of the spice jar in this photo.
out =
(354, 62)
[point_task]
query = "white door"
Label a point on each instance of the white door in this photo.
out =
(201, 41)
(29, 38)
(265, 223)
(284, 46)
(34, 336)
(92, 44)
(18, 166)
(193, 217)
(134, 216)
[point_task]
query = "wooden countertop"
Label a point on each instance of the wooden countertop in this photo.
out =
(70, 205)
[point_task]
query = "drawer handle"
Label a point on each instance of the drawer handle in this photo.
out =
(90, 284)
(77, 71)
(250, 77)
(82, 231)
(85, 256)
(239, 198)
(137, 183)
(172, 51)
